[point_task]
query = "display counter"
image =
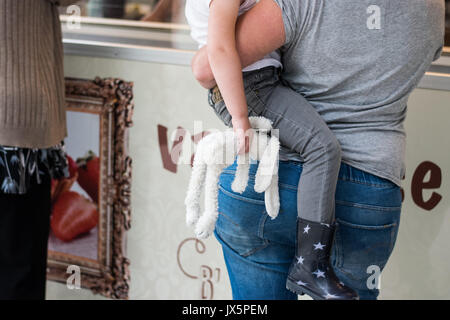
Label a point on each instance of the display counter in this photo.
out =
(166, 261)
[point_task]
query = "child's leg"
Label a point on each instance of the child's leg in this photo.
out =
(303, 130)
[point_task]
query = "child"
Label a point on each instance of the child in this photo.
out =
(257, 91)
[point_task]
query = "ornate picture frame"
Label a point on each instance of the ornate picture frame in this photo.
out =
(112, 101)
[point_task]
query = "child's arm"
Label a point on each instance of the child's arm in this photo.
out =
(202, 69)
(226, 64)
(259, 31)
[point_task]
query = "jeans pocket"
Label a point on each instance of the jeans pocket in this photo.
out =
(358, 247)
(249, 194)
(240, 222)
(237, 237)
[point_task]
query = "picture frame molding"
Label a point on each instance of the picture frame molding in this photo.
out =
(112, 100)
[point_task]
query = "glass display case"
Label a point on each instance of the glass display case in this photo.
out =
(171, 11)
(152, 23)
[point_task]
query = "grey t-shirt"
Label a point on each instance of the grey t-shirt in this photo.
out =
(357, 61)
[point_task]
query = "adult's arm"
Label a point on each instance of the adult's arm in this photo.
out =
(258, 32)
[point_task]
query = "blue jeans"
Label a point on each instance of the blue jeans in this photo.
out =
(258, 251)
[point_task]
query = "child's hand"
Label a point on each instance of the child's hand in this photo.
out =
(242, 129)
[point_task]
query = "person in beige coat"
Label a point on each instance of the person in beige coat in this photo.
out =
(32, 129)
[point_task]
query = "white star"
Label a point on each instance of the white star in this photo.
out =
(330, 296)
(319, 273)
(301, 283)
(306, 229)
(319, 246)
(300, 260)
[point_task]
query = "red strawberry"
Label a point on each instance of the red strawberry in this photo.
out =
(73, 167)
(62, 185)
(89, 174)
(73, 215)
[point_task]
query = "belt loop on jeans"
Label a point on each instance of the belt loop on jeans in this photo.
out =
(216, 96)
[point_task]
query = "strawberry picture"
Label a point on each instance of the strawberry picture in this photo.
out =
(72, 215)
(62, 185)
(73, 167)
(89, 174)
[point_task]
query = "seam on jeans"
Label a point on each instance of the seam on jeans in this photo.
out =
(228, 218)
(374, 172)
(336, 247)
(248, 253)
(371, 184)
(351, 275)
(366, 227)
(241, 198)
(367, 206)
(255, 95)
(262, 80)
(253, 251)
(262, 222)
(287, 186)
(256, 264)
(393, 237)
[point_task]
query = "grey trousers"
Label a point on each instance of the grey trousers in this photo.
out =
(302, 130)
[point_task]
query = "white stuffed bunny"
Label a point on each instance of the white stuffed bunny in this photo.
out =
(217, 151)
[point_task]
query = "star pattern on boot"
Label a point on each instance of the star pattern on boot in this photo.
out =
(318, 246)
(301, 283)
(329, 296)
(300, 260)
(306, 229)
(319, 273)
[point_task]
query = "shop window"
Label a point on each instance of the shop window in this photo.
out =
(171, 11)
(140, 19)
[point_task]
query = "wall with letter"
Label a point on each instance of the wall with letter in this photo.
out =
(167, 263)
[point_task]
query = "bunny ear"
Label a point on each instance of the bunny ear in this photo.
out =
(195, 187)
(240, 181)
(268, 165)
(272, 198)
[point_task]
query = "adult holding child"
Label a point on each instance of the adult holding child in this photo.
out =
(356, 62)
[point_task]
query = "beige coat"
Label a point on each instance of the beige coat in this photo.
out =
(32, 113)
